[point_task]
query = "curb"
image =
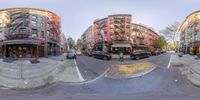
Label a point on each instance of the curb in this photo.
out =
(193, 77)
(43, 80)
(143, 73)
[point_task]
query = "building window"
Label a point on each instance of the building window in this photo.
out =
(42, 24)
(33, 17)
(42, 34)
(48, 32)
(22, 30)
(48, 25)
(33, 23)
(34, 31)
(1, 29)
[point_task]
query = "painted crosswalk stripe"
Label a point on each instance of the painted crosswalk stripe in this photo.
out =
(79, 74)
(169, 61)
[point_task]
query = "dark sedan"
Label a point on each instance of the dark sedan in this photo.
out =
(90, 54)
(102, 55)
(157, 52)
(139, 54)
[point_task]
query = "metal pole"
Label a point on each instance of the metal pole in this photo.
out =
(103, 42)
(21, 68)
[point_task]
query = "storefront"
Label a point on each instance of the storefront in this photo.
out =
(120, 47)
(24, 51)
(194, 48)
(23, 48)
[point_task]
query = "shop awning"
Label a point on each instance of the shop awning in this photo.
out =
(22, 41)
(122, 45)
(142, 46)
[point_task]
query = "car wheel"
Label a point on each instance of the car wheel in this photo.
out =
(105, 58)
(137, 57)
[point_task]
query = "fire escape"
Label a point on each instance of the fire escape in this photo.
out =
(18, 27)
(139, 37)
(119, 31)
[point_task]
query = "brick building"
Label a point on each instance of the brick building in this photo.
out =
(29, 33)
(117, 34)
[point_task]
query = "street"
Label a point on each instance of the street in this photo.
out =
(91, 68)
(162, 83)
(105, 50)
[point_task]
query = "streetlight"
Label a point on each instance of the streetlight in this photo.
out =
(101, 33)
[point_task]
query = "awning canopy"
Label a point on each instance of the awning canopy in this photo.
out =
(22, 41)
(142, 46)
(122, 45)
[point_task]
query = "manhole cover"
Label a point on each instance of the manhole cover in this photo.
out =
(178, 65)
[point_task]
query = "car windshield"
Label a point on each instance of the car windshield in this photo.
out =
(138, 51)
(70, 52)
(99, 49)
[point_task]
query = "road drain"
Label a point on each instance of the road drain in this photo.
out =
(178, 65)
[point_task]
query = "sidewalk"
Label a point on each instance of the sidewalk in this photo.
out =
(23, 74)
(189, 66)
(116, 56)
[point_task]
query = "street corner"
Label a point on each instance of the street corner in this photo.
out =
(125, 71)
(30, 76)
(192, 73)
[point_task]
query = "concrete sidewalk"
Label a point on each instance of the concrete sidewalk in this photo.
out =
(189, 66)
(23, 74)
(116, 56)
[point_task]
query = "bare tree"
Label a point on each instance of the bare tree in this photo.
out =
(171, 34)
(71, 43)
(79, 44)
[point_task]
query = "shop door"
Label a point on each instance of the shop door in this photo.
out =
(20, 53)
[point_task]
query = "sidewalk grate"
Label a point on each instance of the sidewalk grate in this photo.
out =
(34, 61)
(178, 65)
(197, 58)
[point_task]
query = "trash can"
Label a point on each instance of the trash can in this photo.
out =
(180, 54)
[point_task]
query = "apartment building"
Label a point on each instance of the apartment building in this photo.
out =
(29, 33)
(117, 33)
(190, 34)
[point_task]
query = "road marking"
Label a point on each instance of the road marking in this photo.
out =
(79, 74)
(169, 61)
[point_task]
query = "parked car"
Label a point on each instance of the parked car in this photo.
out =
(157, 52)
(78, 53)
(71, 54)
(102, 55)
(163, 51)
(90, 54)
(140, 54)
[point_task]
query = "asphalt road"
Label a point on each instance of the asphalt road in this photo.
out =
(91, 68)
(161, 84)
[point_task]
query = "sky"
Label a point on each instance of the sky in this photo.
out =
(78, 15)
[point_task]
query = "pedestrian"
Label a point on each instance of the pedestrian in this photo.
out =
(121, 58)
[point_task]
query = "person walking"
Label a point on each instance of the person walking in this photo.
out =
(121, 58)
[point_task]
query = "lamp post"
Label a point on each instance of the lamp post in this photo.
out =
(101, 33)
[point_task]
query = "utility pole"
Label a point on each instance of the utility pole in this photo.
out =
(101, 33)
